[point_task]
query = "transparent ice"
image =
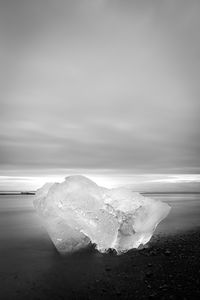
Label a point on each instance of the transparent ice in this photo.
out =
(78, 212)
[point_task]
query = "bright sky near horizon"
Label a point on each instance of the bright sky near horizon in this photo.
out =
(101, 87)
(139, 182)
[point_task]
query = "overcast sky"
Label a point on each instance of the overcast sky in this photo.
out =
(99, 86)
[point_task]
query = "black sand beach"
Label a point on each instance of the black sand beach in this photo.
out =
(31, 268)
(168, 269)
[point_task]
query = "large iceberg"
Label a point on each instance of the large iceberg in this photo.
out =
(78, 212)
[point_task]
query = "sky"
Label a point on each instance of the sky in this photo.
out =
(101, 87)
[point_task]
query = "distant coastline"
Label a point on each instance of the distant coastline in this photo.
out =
(4, 193)
(14, 193)
(144, 193)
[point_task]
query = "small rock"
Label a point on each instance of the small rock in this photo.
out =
(149, 274)
(152, 296)
(163, 287)
(167, 252)
(149, 286)
(153, 252)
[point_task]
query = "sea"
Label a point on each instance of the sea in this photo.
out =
(20, 223)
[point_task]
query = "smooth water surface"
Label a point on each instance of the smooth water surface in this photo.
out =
(184, 214)
(19, 221)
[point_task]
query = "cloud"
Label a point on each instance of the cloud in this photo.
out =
(105, 86)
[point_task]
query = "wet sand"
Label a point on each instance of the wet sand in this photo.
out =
(168, 269)
(31, 268)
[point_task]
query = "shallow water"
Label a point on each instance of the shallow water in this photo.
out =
(184, 214)
(19, 222)
(20, 226)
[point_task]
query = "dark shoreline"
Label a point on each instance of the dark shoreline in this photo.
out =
(169, 268)
(16, 193)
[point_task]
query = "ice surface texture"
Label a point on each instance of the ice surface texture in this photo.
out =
(78, 212)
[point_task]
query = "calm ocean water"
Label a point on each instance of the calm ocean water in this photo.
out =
(20, 224)
(184, 214)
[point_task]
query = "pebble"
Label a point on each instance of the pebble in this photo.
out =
(149, 286)
(149, 274)
(152, 296)
(163, 287)
(167, 252)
